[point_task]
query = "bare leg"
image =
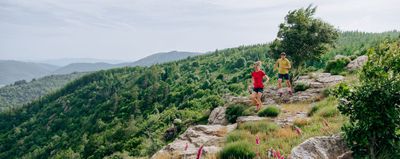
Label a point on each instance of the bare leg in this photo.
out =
(259, 94)
(279, 83)
(253, 98)
(289, 87)
(279, 86)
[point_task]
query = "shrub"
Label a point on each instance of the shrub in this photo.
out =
(249, 111)
(373, 107)
(271, 111)
(234, 111)
(259, 126)
(337, 66)
(237, 150)
(300, 87)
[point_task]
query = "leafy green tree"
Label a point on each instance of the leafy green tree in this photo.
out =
(374, 106)
(303, 37)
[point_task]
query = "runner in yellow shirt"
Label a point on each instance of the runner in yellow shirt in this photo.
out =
(283, 65)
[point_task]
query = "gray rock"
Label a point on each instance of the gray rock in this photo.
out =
(357, 63)
(217, 116)
(339, 57)
(330, 79)
(325, 147)
(211, 136)
(244, 119)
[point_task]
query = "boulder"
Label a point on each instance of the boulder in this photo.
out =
(210, 136)
(325, 147)
(333, 79)
(357, 63)
(217, 116)
(244, 119)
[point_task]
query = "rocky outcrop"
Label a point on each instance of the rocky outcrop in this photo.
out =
(211, 136)
(316, 83)
(325, 147)
(244, 119)
(217, 116)
(357, 63)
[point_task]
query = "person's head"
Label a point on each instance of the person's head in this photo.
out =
(283, 55)
(257, 65)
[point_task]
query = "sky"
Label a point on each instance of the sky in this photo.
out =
(131, 29)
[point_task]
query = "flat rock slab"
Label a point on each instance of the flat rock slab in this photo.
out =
(244, 119)
(210, 136)
(324, 147)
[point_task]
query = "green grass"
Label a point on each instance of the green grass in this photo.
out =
(235, 111)
(238, 150)
(259, 127)
(285, 139)
(270, 111)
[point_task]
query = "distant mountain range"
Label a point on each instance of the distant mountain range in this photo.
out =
(66, 61)
(11, 71)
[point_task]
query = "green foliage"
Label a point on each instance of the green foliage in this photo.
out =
(300, 87)
(303, 37)
(22, 92)
(237, 150)
(129, 109)
(337, 66)
(270, 111)
(234, 111)
(373, 107)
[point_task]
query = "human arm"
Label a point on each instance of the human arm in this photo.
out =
(289, 66)
(276, 65)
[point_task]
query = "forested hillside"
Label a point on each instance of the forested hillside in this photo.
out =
(129, 109)
(22, 92)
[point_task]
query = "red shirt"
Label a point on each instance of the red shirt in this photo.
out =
(258, 79)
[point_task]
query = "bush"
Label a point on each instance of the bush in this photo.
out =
(237, 150)
(301, 87)
(259, 126)
(373, 107)
(271, 111)
(337, 66)
(234, 111)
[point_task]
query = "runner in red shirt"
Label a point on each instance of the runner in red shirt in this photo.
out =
(258, 86)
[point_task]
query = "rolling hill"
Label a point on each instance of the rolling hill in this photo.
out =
(11, 71)
(16, 95)
(163, 57)
(129, 109)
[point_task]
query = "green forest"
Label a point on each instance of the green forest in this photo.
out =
(22, 92)
(129, 109)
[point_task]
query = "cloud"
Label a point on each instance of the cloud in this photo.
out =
(121, 29)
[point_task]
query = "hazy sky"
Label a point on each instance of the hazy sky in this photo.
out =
(131, 29)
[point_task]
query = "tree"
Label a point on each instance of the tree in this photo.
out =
(374, 106)
(303, 37)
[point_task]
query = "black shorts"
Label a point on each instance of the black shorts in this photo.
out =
(283, 76)
(258, 90)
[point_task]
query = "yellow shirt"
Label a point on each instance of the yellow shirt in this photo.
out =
(283, 65)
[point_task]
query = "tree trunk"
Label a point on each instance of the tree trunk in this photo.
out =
(372, 147)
